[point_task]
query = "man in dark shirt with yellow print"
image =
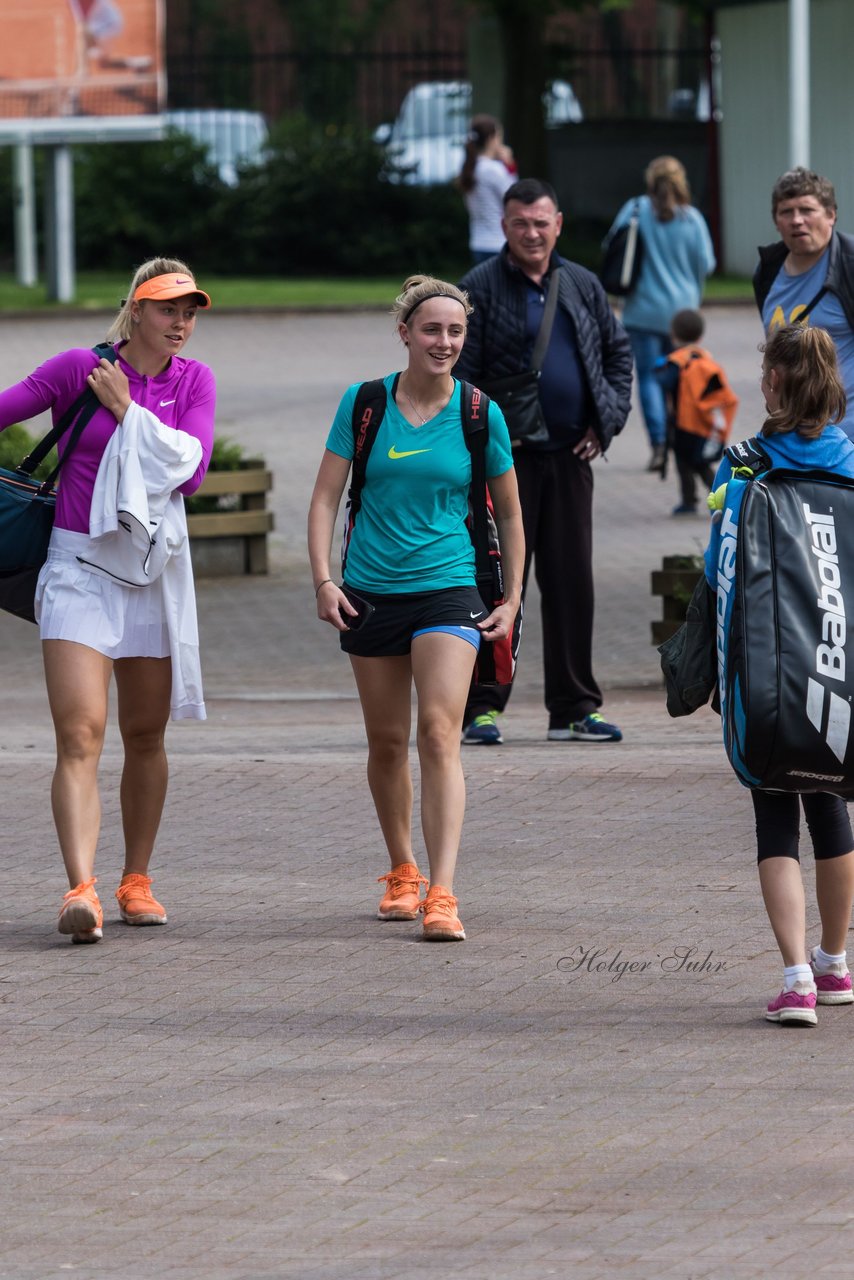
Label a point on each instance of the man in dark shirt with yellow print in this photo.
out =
(808, 275)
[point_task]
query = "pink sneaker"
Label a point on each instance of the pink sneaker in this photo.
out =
(833, 985)
(794, 1008)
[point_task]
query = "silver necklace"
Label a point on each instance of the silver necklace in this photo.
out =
(418, 412)
(415, 408)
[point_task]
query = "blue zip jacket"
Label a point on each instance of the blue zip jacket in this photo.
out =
(831, 451)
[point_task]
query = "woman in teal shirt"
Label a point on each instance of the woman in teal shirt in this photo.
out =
(410, 557)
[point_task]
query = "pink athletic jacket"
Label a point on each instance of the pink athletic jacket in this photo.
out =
(184, 396)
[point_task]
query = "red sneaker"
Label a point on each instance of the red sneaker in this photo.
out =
(81, 914)
(137, 904)
(403, 893)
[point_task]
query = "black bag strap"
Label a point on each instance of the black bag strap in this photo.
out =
(368, 412)
(79, 413)
(474, 405)
(813, 302)
(541, 346)
(749, 455)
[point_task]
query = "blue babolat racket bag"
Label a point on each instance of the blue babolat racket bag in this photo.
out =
(785, 587)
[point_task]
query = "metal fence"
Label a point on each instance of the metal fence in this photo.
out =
(367, 88)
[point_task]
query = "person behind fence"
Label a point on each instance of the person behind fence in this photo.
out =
(701, 408)
(408, 611)
(583, 395)
(677, 257)
(488, 170)
(805, 401)
(148, 442)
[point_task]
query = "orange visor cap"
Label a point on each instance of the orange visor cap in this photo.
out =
(160, 288)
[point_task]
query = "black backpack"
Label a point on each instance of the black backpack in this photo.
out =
(496, 660)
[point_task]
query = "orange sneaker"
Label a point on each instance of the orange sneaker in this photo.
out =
(81, 914)
(403, 893)
(441, 922)
(137, 903)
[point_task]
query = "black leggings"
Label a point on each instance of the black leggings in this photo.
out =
(778, 824)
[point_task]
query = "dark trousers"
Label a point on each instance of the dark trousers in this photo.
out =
(556, 493)
(690, 464)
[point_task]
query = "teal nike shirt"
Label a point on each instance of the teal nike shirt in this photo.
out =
(410, 533)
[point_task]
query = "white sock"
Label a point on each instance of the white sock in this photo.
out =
(797, 973)
(824, 960)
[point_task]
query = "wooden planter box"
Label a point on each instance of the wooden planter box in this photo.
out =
(674, 582)
(235, 541)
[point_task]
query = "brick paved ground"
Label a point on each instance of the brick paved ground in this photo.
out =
(278, 1085)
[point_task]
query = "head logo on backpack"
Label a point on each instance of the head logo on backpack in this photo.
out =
(785, 584)
(496, 660)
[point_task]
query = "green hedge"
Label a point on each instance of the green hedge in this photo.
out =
(320, 205)
(15, 443)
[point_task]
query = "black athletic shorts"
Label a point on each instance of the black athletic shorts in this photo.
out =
(778, 824)
(396, 619)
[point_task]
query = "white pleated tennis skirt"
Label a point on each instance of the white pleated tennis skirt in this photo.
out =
(72, 603)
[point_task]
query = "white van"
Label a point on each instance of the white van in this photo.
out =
(231, 137)
(427, 140)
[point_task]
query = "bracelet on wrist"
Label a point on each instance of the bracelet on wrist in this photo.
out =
(321, 584)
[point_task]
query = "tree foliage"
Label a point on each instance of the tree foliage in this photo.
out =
(323, 202)
(134, 200)
(319, 205)
(321, 27)
(522, 26)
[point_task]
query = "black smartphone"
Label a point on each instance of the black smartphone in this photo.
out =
(363, 608)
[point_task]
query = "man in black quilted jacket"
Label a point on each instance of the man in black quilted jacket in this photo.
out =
(584, 392)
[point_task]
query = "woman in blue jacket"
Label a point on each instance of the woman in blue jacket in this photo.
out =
(677, 257)
(805, 399)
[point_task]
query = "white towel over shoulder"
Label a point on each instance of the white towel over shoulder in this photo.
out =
(138, 535)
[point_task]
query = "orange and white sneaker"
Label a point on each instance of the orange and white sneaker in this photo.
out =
(137, 903)
(402, 897)
(81, 914)
(441, 922)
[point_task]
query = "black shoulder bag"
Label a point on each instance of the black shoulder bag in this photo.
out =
(518, 395)
(27, 506)
(622, 257)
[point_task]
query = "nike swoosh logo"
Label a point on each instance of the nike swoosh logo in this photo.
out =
(475, 615)
(406, 453)
(163, 403)
(177, 281)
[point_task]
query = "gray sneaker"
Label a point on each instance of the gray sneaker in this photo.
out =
(593, 728)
